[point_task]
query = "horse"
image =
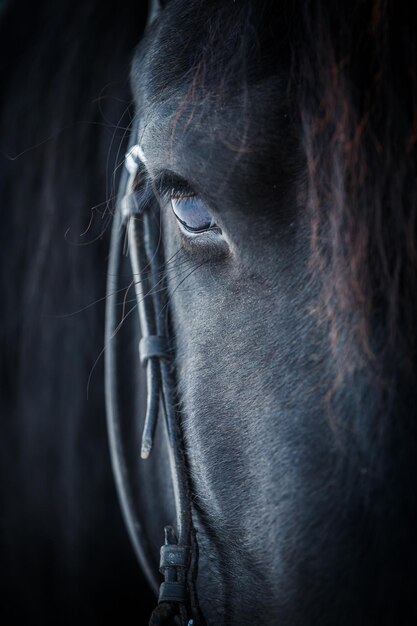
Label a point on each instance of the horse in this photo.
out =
(277, 143)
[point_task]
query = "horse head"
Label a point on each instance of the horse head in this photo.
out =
(277, 141)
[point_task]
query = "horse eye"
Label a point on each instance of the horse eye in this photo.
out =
(191, 212)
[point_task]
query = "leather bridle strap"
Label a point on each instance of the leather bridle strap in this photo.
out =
(112, 383)
(138, 214)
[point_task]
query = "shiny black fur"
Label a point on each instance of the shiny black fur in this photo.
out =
(295, 345)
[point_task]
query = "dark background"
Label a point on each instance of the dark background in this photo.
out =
(64, 106)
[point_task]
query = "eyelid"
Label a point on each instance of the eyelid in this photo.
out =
(209, 244)
(168, 182)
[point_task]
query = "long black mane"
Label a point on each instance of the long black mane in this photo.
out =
(65, 105)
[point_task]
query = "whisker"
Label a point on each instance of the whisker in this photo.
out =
(84, 308)
(112, 191)
(114, 333)
(125, 298)
(165, 307)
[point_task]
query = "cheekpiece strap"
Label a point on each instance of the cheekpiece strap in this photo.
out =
(174, 556)
(151, 346)
(174, 591)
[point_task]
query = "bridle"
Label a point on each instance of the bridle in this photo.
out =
(177, 603)
(138, 218)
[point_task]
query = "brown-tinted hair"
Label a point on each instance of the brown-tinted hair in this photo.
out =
(358, 105)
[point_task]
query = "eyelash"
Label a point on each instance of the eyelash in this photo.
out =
(170, 186)
(181, 194)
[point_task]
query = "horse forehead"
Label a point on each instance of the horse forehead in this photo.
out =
(195, 98)
(222, 41)
(256, 114)
(187, 68)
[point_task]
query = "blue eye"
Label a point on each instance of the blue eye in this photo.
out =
(191, 212)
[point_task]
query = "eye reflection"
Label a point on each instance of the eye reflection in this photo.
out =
(191, 212)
